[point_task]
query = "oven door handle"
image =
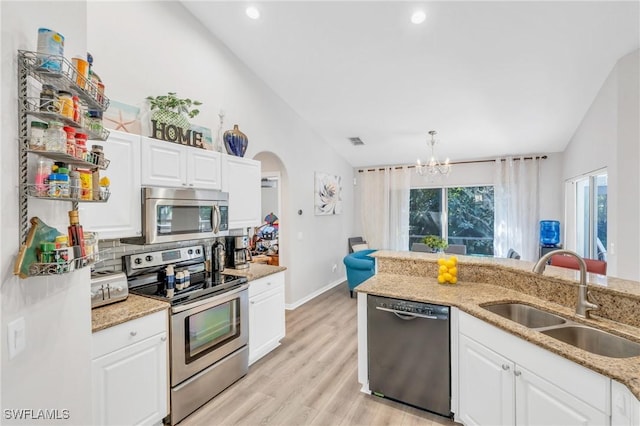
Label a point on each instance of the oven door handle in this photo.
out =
(209, 300)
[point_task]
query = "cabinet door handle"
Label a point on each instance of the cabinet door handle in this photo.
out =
(517, 373)
(253, 302)
(190, 184)
(163, 338)
(133, 333)
(505, 367)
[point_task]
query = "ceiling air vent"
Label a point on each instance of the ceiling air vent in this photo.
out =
(356, 141)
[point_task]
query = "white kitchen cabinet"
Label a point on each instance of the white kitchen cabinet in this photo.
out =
(241, 179)
(537, 386)
(171, 165)
(486, 385)
(625, 410)
(120, 216)
(130, 372)
(266, 315)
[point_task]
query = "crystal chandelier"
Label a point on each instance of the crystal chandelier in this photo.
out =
(434, 166)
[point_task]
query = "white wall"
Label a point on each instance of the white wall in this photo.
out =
(609, 136)
(53, 372)
(150, 48)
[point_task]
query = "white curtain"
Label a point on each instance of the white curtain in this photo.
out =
(384, 207)
(517, 215)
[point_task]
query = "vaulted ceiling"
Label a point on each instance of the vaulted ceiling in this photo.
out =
(492, 78)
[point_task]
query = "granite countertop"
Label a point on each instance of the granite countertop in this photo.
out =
(255, 271)
(470, 295)
(131, 308)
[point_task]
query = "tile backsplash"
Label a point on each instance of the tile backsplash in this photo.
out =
(111, 251)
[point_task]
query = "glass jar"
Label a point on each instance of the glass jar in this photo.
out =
(81, 146)
(55, 138)
(65, 104)
(36, 138)
(49, 98)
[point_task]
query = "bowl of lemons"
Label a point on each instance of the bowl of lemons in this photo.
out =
(448, 270)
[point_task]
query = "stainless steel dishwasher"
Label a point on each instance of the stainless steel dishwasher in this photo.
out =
(409, 353)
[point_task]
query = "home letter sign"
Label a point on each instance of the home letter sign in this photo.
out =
(175, 134)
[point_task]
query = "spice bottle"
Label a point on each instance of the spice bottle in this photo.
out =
(81, 146)
(76, 108)
(74, 184)
(76, 235)
(63, 179)
(71, 140)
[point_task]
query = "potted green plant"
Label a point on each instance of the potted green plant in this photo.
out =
(436, 243)
(170, 109)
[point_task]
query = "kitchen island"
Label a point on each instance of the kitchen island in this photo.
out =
(482, 281)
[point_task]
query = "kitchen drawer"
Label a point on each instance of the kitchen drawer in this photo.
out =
(121, 335)
(269, 282)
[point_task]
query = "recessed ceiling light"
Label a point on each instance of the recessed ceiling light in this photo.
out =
(252, 12)
(418, 17)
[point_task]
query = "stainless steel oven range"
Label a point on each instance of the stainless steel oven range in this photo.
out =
(208, 327)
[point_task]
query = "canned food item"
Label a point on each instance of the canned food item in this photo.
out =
(50, 49)
(82, 71)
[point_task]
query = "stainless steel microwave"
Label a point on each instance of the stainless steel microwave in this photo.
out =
(170, 215)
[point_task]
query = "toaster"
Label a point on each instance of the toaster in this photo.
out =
(108, 287)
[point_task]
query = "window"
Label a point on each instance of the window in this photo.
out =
(461, 215)
(591, 215)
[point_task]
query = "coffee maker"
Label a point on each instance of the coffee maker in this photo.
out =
(238, 254)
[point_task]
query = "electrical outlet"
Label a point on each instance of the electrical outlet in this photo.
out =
(334, 267)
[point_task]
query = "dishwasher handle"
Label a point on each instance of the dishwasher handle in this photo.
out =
(407, 316)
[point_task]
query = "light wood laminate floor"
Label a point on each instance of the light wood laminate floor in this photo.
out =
(311, 378)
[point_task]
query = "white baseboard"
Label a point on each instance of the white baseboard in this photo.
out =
(298, 303)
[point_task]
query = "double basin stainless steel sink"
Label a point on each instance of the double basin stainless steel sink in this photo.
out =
(587, 338)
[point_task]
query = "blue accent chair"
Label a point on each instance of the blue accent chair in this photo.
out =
(360, 267)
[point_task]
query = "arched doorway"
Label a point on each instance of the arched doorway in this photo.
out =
(274, 200)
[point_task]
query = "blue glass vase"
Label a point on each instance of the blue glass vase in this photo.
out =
(235, 142)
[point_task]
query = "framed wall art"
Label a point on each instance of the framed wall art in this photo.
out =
(328, 194)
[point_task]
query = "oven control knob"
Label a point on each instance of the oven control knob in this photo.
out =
(137, 261)
(149, 258)
(190, 251)
(197, 251)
